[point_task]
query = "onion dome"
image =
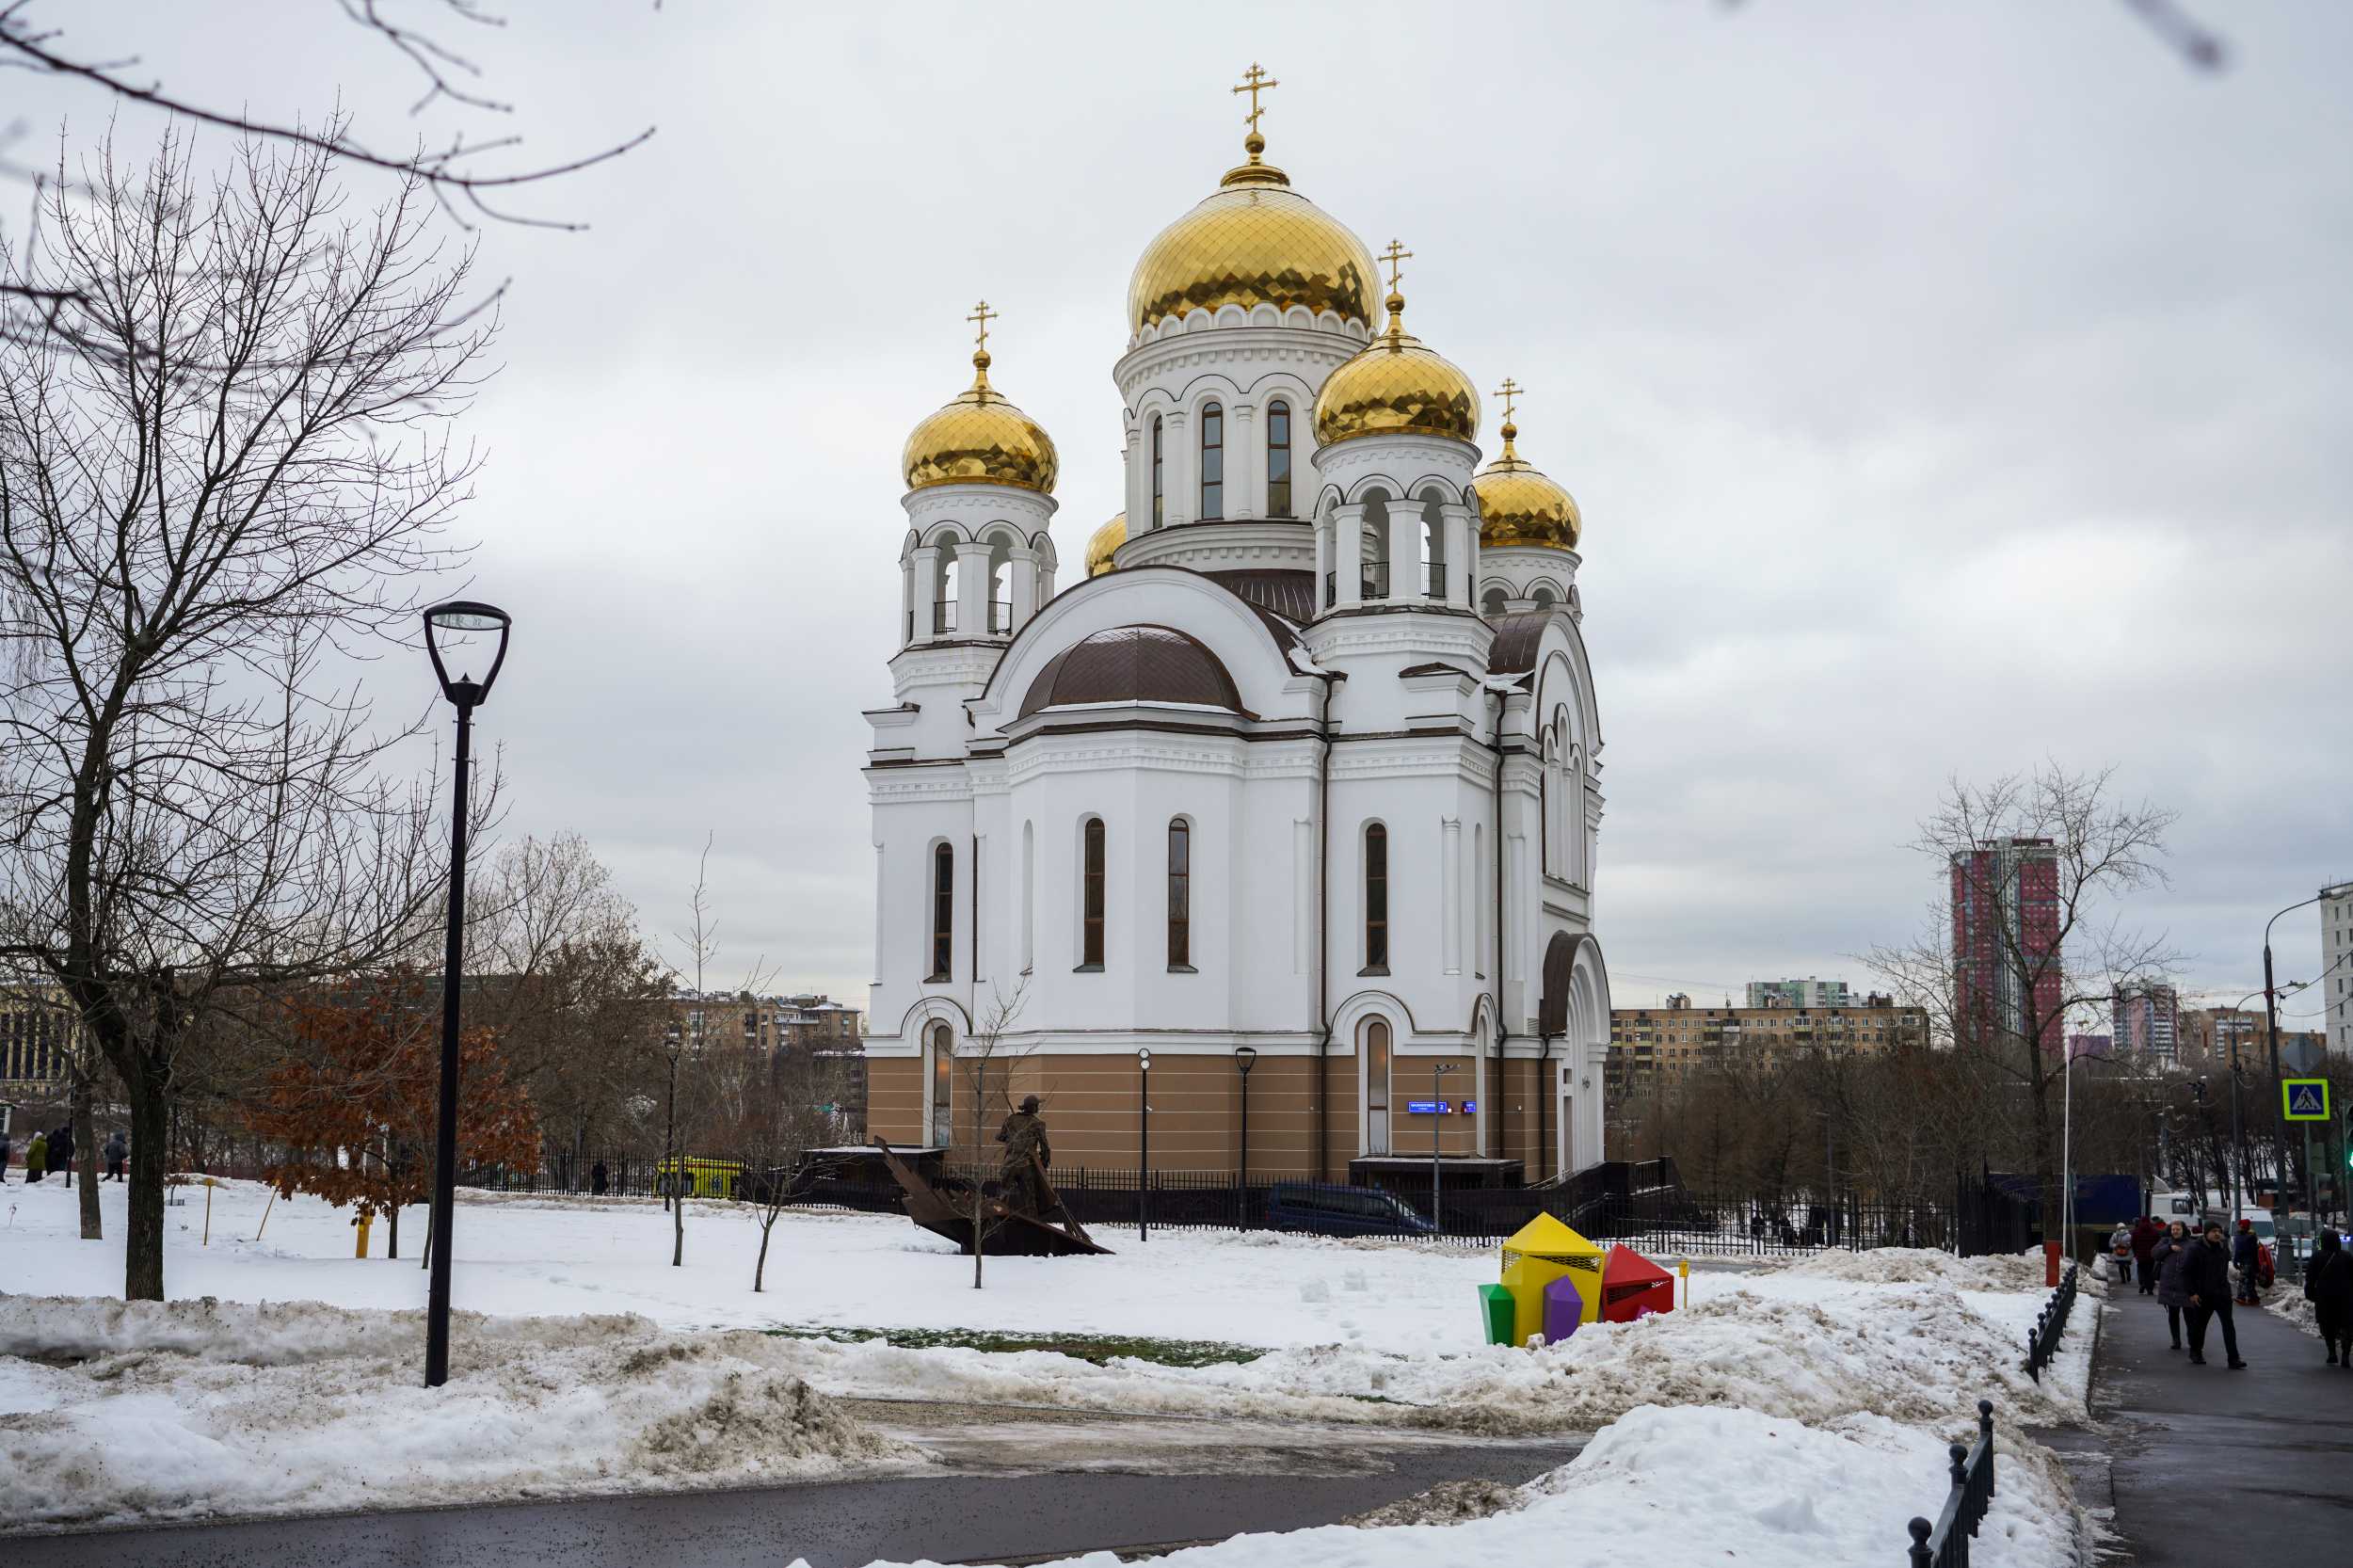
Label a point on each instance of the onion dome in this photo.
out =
(1104, 543)
(1133, 663)
(1396, 386)
(1253, 241)
(981, 438)
(1518, 505)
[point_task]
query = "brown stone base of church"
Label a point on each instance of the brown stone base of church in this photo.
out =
(1091, 1105)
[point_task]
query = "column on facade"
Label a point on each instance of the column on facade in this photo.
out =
(1180, 471)
(1024, 572)
(1243, 461)
(1348, 536)
(1139, 478)
(925, 565)
(1406, 578)
(906, 596)
(971, 589)
(1462, 554)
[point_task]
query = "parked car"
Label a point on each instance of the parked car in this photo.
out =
(1341, 1212)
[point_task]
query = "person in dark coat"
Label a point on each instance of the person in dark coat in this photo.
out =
(2208, 1276)
(2171, 1257)
(2328, 1285)
(2145, 1233)
(597, 1179)
(61, 1151)
(118, 1151)
(2245, 1253)
(4, 1158)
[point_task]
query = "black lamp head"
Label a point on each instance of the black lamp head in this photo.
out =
(1245, 1057)
(461, 629)
(1144, 1057)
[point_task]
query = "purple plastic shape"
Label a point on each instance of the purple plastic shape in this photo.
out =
(1564, 1308)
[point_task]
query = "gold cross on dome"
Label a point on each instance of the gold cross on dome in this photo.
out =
(1255, 81)
(983, 315)
(1508, 392)
(1393, 255)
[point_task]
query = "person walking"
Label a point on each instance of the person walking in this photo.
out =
(2328, 1285)
(3, 1158)
(2208, 1275)
(2246, 1256)
(2171, 1257)
(36, 1159)
(118, 1151)
(2145, 1233)
(596, 1182)
(61, 1151)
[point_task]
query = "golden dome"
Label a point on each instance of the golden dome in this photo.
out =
(1104, 543)
(1518, 505)
(1396, 386)
(1253, 241)
(980, 439)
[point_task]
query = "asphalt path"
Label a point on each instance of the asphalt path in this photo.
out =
(2211, 1466)
(965, 1517)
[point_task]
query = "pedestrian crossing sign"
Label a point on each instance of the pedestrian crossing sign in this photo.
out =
(2304, 1099)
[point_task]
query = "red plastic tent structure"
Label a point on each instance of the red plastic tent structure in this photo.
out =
(1632, 1284)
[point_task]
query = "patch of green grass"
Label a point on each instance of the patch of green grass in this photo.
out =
(1096, 1348)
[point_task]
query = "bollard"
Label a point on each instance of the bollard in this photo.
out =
(1684, 1268)
(362, 1223)
(2050, 1265)
(208, 1212)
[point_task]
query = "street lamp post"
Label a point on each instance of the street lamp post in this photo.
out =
(1245, 1058)
(460, 628)
(1144, 1144)
(2271, 1030)
(1438, 1124)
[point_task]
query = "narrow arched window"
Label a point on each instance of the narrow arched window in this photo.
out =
(942, 1120)
(1377, 1044)
(1091, 897)
(943, 911)
(1180, 894)
(1212, 461)
(1377, 899)
(1158, 505)
(1278, 459)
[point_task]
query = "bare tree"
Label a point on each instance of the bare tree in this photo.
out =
(193, 540)
(985, 1047)
(690, 1037)
(2035, 873)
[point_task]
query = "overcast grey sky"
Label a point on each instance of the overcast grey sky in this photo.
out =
(1944, 389)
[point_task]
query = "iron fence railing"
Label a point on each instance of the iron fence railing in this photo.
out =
(1946, 1543)
(2050, 1326)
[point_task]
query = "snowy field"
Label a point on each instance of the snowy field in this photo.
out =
(597, 1366)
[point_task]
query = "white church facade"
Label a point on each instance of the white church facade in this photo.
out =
(1298, 776)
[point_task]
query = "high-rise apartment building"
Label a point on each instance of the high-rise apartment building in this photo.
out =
(1808, 992)
(2147, 1024)
(2336, 965)
(2005, 938)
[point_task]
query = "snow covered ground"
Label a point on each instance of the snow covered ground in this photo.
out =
(1855, 1364)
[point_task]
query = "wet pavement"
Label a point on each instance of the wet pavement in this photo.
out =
(2210, 1466)
(1019, 1482)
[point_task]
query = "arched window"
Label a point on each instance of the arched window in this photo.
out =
(1278, 459)
(1158, 505)
(1376, 899)
(1542, 596)
(1180, 894)
(1091, 896)
(940, 1125)
(1376, 1086)
(943, 912)
(1212, 461)
(1492, 603)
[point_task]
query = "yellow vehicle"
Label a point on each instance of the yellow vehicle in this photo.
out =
(705, 1178)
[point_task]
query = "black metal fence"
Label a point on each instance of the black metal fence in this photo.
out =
(2050, 1326)
(1642, 1204)
(1946, 1543)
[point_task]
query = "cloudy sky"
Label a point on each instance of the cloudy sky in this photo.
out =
(1946, 388)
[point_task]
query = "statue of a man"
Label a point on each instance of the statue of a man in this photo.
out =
(1024, 1136)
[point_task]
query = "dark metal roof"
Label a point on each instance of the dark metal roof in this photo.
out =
(1517, 635)
(1133, 663)
(1290, 594)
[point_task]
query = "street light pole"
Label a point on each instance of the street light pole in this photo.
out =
(1245, 1057)
(1437, 1124)
(459, 624)
(1144, 1144)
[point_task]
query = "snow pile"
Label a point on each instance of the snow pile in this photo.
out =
(182, 1410)
(1921, 1266)
(1692, 1485)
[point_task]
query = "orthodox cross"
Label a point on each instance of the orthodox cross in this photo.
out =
(1393, 255)
(1255, 81)
(983, 315)
(1508, 392)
